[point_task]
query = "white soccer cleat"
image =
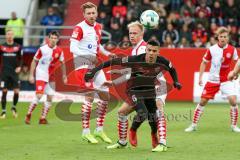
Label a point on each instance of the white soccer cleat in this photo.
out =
(235, 129)
(191, 128)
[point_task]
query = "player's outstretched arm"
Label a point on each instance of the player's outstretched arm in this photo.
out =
(90, 74)
(234, 73)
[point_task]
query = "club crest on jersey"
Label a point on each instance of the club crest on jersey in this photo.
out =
(228, 55)
(89, 46)
(56, 55)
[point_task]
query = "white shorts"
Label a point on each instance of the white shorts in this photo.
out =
(43, 87)
(228, 89)
(99, 80)
(161, 89)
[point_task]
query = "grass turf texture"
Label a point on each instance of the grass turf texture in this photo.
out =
(61, 140)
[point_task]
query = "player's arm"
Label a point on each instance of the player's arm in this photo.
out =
(207, 58)
(89, 75)
(33, 66)
(106, 53)
(19, 60)
(234, 73)
(171, 70)
(63, 68)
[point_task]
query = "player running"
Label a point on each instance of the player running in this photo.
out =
(85, 45)
(11, 53)
(144, 71)
(45, 62)
(221, 56)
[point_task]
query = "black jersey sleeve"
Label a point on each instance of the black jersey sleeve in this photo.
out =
(90, 74)
(19, 57)
(169, 67)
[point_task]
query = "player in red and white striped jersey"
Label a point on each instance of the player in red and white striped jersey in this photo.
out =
(85, 46)
(45, 61)
(221, 56)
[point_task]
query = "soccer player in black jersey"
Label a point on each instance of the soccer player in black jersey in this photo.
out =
(145, 69)
(11, 56)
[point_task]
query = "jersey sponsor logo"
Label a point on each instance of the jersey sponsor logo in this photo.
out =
(90, 46)
(9, 54)
(15, 49)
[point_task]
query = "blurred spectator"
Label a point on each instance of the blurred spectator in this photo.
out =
(217, 14)
(211, 42)
(184, 43)
(230, 13)
(133, 9)
(238, 42)
(125, 43)
(51, 19)
(188, 9)
(188, 20)
(176, 5)
(119, 9)
(58, 5)
(199, 35)
(168, 43)
(172, 33)
(118, 19)
(162, 17)
(203, 19)
(105, 6)
(116, 32)
(104, 19)
(152, 32)
(213, 29)
(24, 78)
(165, 3)
(174, 18)
(186, 33)
(17, 25)
(233, 34)
(198, 43)
(146, 5)
(203, 8)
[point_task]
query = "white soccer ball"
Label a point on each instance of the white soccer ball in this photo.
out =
(149, 19)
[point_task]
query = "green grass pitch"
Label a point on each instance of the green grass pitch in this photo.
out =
(61, 140)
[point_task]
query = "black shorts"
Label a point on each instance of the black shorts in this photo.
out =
(9, 80)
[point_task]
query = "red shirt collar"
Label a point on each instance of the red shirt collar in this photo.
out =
(89, 23)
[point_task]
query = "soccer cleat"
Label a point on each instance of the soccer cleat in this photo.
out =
(154, 140)
(160, 148)
(102, 136)
(235, 129)
(14, 112)
(28, 119)
(43, 121)
(118, 145)
(191, 128)
(90, 138)
(133, 137)
(3, 115)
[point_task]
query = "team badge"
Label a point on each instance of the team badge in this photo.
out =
(56, 55)
(228, 55)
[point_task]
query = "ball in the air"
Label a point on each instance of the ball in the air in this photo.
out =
(149, 19)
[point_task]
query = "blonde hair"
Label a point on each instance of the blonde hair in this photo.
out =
(221, 30)
(136, 23)
(88, 5)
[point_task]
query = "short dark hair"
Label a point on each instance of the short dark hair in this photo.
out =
(153, 42)
(55, 33)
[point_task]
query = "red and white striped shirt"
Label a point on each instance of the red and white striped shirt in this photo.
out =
(47, 58)
(221, 59)
(140, 48)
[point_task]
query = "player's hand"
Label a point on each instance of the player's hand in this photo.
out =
(18, 69)
(88, 76)
(232, 76)
(200, 83)
(108, 83)
(31, 79)
(177, 85)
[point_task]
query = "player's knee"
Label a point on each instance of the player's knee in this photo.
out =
(39, 96)
(160, 104)
(232, 100)
(203, 101)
